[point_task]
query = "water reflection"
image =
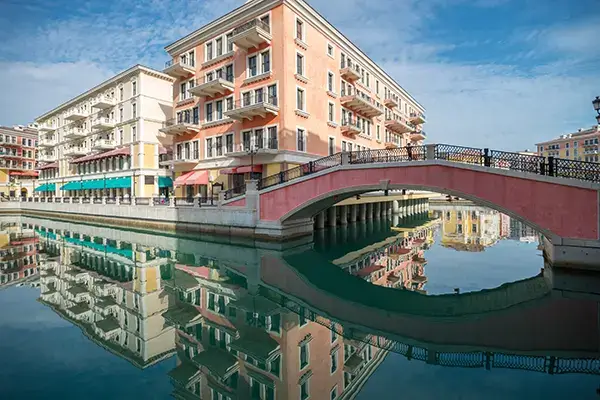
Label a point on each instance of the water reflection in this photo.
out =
(314, 321)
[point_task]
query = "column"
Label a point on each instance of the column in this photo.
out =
(395, 207)
(353, 212)
(343, 215)
(140, 192)
(331, 217)
(376, 210)
(320, 220)
(388, 208)
(362, 212)
(369, 210)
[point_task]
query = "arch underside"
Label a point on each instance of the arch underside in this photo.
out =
(314, 206)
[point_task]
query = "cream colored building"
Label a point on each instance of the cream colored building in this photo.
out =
(581, 145)
(106, 141)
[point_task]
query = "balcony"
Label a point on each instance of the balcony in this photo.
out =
(43, 128)
(75, 115)
(47, 142)
(399, 125)
(212, 86)
(180, 69)
(269, 146)
(252, 34)
(418, 136)
(390, 102)
(350, 128)
(361, 104)
(417, 118)
(46, 157)
(253, 106)
(10, 155)
(104, 144)
(103, 102)
(75, 133)
(390, 145)
(180, 125)
(75, 151)
(103, 123)
(350, 73)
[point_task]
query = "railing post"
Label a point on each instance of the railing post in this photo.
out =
(486, 158)
(543, 167)
(551, 166)
(311, 167)
(171, 201)
(430, 151)
(281, 176)
(345, 158)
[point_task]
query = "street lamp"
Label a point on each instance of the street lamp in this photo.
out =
(596, 104)
(252, 151)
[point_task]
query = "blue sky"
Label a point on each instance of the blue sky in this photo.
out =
(492, 73)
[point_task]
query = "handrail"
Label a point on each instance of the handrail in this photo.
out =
(550, 166)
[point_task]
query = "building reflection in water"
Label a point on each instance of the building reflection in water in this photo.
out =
(266, 329)
(18, 255)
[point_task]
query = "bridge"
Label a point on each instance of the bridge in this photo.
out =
(559, 198)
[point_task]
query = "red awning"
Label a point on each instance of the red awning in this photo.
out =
(49, 166)
(123, 151)
(248, 168)
(180, 180)
(228, 171)
(23, 173)
(198, 178)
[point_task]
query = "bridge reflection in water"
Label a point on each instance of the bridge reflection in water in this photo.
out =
(253, 323)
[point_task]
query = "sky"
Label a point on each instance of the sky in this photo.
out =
(503, 74)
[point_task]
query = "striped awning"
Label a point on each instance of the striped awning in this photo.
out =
(46, 187)
(123, 151)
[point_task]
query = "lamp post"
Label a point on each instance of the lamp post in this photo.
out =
(596, 104)
(252, 151)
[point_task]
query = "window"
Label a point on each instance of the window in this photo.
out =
(304, 390)
(252, 68)
(229, 143)
(209, 112)
(334, 361)
(121, 114)
(133, 88)
(299, 64)
(304, 356)
(209, 51)
(378, 133)
(329, 49)
(182, 91)
(229, 42)
(299, 29)
(567, 153)
(333, 333)
(196, 150)
(121, 94)
(330, 112)
(474, 228)
(219, 44)
(459, 228)
(133, 134)
(134, 111)
(300, 99)
(209, 147)
(331, 146)
(301, 143)
(265, 58)
(330, 78)
(272, 93)
(377, 86)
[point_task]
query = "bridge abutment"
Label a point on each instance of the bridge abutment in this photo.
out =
(579, 254)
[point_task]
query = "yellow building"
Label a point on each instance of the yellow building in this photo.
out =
(581, 145)
(18, 160)
(470, 228)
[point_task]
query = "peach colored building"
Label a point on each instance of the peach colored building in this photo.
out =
(581, 145)
(273, 76)
(18, 151)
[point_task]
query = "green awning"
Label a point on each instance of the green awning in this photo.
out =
(94, 184)
(165, 181)
(46, 187)
(123, 182)
(75, 185)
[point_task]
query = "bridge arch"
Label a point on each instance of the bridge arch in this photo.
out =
(557, 207)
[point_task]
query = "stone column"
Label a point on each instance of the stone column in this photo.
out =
(369, 208)
(343, 215)
(388, 208)
(362, 212)
(376, 210)
(353, 212)
(331, 217)
(395, 207)
(320, 220)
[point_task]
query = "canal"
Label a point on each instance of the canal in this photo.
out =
(456, 302)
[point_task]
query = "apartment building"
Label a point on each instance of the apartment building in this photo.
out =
(472, 228)
(18, 254)
(581, 145)
(106, 141)
(18, 160)
(112, 291)
(235, 344)
(271, 85)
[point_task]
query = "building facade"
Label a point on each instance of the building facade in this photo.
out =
(272, 85)
(18, 160)
(18, 254)
(106, 141)
(581, 145)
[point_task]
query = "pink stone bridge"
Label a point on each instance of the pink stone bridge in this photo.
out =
(566, 210)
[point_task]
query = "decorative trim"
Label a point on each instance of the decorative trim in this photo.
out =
(301, 78)
(306, 376)
(305, 340)
(301, 113)
(216, 123)
(257, 78)
(332, 94)
(334, 349)
(301, 43)
(332, 124)
(184, 102)
(220, 58)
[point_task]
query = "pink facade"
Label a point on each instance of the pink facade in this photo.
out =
(565, 211)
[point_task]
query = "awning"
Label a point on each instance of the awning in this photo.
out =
(198, 178)
(75, 185)
(23, 173)
(248, 168)
(123, 151)
(181, 178)
(46, 187)
(49, 166)
(165, 181)
(123, 182)
(228, 171)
